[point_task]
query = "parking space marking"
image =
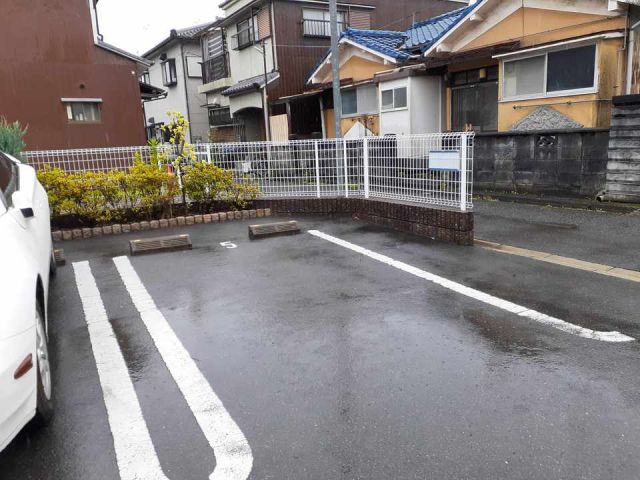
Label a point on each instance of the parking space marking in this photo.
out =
(481, 296)
(135, 454)
(234, 459)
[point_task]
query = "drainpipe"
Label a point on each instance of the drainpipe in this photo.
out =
(186, 90)
(633, 38)
(265, 100)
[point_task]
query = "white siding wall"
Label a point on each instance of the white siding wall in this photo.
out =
(178, 95)
(198, 116)
(247, 62)
(425, 104)
(398, 121)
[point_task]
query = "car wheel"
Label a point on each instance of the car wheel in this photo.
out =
(53, 266)
(44, 404)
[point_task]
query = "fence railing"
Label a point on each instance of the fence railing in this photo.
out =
(430, 168)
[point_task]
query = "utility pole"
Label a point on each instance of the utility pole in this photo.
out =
(335, 66)
(337, 98)
(265, 95)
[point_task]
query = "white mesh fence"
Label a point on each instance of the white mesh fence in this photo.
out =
(430, 168)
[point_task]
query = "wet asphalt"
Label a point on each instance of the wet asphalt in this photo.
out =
(336, 366)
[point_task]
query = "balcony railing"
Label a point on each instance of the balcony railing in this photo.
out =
(320, 28)
(215, 68)
(243, 39)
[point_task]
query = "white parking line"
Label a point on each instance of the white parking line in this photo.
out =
(234, 459)
(135, 453)
(478, 295)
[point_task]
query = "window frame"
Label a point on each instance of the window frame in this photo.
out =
(172, 71)
(68, 102)
(545, 93)
(145, 78)
(394, 108)
(326, 23)
(12, 186)
(251, 21)
(360, 112)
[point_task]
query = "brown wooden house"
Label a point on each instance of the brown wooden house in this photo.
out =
(58, 77)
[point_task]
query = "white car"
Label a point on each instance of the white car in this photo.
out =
(26, 262)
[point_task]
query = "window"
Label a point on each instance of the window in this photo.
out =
(349, 102)
(559, 72)
(144, 78)
(571, 69)
(8, 179)
(245, 35)
(317, 23)
(220, 117)
(394, 98)
(524, 77)
(474, 99)
(214, 44)
(359, 101)
(169, 76)
(83, 111)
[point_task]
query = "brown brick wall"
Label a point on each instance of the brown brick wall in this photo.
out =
(438, 224)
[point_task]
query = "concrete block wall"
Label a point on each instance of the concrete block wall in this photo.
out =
(566, 162)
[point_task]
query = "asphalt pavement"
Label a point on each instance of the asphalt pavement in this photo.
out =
(338, 361)
(594, 236)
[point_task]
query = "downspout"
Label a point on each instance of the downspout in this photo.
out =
(274, 50)
(633, 38)
(186, 90)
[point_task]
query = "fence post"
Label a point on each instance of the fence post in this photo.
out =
(317, 169)
(346, 173)
(208, 147)
(463, 172)
(365, 154)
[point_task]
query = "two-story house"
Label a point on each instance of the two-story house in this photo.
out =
(262, 51)
(62, 81)
(176, 67)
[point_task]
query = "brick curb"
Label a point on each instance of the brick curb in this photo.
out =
(120, 228)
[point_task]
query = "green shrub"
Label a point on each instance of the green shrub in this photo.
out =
(205, 183)
(99, 199)
(240, 194)
(150, 189)
(63, 190)
(11, 137)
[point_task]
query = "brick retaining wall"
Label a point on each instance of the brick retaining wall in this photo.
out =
(436, 223)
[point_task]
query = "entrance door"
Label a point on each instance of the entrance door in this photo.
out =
(474, 100)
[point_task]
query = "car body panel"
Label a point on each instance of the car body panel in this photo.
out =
(17, 397)
(25, 253)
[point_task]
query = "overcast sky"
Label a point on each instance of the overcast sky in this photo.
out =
(138, 25)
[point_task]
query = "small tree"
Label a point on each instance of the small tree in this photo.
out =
(185, 151)
(11, 137)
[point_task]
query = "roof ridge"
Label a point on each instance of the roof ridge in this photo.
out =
(375, 32)
(430, 20)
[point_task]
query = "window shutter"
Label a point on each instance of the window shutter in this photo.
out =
(360, 20)
(264, 23)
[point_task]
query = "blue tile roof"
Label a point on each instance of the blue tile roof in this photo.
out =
(403, 45)
(382, 41)
(422, 35)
